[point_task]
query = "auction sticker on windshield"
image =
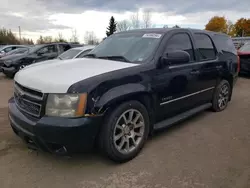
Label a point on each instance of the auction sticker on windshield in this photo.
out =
(152, 35)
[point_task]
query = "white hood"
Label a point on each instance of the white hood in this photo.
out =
(57, 77)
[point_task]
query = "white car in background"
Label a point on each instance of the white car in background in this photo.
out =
(78, 52)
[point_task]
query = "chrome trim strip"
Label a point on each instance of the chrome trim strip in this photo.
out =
(192, 63)
(189, 95)
(28, 94)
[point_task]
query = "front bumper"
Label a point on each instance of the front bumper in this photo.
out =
(9, 71)
(54, 134)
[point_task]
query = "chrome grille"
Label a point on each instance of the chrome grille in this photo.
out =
(28, 100)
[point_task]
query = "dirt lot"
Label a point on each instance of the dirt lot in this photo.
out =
(210, 150)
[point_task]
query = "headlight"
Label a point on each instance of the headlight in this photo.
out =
(66, 105)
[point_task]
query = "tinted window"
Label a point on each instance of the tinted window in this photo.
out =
(83, 53)
(64, 47)
(224, 43)
(180, 41)
(47, 49)
(205, 47)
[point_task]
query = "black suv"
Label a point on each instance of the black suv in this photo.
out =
(38, 53)
(131, 84)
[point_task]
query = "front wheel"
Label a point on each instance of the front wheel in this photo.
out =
(125, 131)
(221, 96)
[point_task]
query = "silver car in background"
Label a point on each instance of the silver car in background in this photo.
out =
(77, 52)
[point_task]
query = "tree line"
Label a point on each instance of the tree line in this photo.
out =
(241, 28)
(8, 37)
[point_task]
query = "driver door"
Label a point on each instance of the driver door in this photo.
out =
(46, 53)
(176, 84)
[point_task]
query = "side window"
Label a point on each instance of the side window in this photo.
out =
(48, 49)
(224, 43)
(8, 49)
(205, 46)
(61, 48)
(64, 47)
(83, 53)
(181, 41)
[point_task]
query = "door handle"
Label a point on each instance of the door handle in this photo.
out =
(195, 72)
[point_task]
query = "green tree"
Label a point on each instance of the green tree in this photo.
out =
(8, 37)
(112, 26)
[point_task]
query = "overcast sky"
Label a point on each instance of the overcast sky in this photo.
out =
(49, 17)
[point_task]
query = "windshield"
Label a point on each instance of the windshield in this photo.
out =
(134, 47)
(69, 54)
(245, 48)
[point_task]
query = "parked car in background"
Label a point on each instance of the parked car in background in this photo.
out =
(18, 51)
(38, 53)
(5, 49)
(244, 54)
(13, 54)
(77, 52)
(132, 83)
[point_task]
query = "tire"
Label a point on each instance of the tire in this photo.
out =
(112, 144)
(221, 96)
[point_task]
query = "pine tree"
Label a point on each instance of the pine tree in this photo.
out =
(112, 26)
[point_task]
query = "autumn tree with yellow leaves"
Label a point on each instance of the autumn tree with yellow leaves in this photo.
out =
(242, 27)
(217, 24)
(220, 24)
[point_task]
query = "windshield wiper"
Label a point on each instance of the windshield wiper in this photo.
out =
(116, 57)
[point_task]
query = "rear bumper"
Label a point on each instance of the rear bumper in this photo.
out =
(53, 134)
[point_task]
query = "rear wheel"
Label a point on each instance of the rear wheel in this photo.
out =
(125, 131)
(221, 96)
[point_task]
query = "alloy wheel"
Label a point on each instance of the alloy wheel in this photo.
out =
(223, 96)
(129, 131)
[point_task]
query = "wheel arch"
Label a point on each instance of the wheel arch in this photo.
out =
(119, 95)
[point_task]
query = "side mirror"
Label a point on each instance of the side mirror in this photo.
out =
(175, 57)
(2, 52)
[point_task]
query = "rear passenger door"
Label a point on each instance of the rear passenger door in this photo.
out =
(208, 67)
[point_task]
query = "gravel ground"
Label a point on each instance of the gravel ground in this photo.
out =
(210, 150)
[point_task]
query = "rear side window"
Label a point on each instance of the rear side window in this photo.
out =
(224, 43)
(205, 46)
(181, 41)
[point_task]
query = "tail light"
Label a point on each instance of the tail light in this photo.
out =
(238, 64)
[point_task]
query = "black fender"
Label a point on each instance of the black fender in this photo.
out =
(120, 93)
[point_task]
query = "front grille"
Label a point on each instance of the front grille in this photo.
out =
(27, 100)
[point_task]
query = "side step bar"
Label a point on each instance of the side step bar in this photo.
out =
(181, 117)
